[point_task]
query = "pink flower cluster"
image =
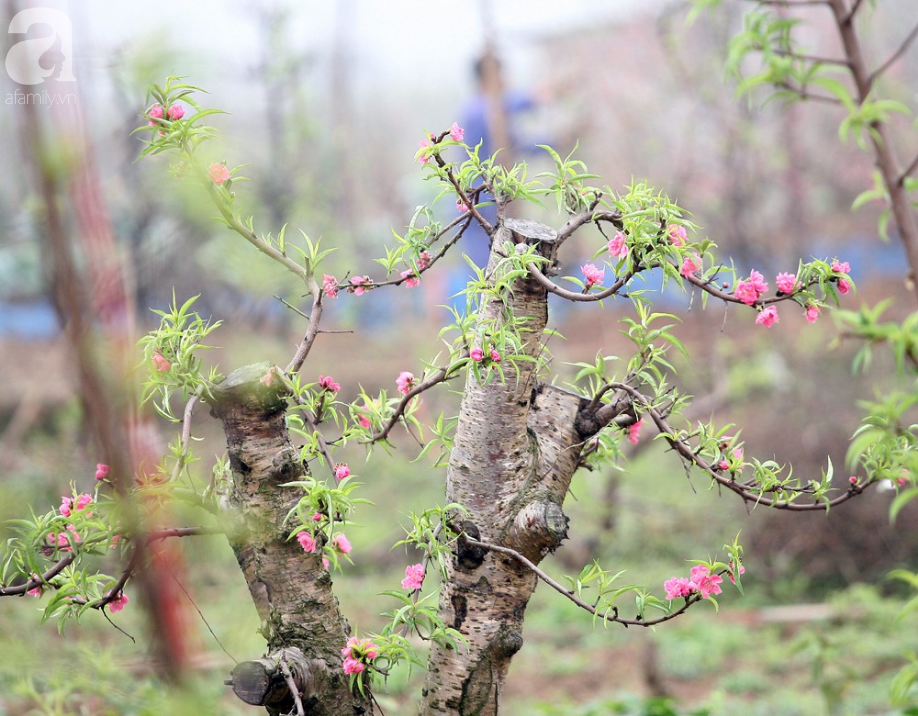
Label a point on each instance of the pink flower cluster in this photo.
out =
(118, 603)
(478, 355)
(69, 505)
(592, 274)
(102, 471)
(701, 581)
(751, 291)
(357, 653)
(326, 382)
(359, 285)
(843, 268)
(414, 577)
(342, 470)
(456, 133)
(405, 382)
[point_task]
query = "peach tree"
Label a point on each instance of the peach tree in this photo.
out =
(284, 498)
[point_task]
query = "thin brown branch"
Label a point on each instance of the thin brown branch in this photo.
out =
(312, 330)
(610, 615)
(790, 3)
(851, 13)
(440, 376)
(804, 94)
(812, 58)
(554, 288)
(903, 48)
(291, 684)
(908, 172)
(746, 491)
(586, 217)
(187, 414)
(43, 579)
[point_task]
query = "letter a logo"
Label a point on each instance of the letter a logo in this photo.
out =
(22, 61)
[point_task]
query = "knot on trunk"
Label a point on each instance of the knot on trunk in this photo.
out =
(248, 388)
(469, 558)
(262, 682)
(538, 529)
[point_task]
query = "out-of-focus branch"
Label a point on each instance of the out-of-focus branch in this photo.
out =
(895, 56)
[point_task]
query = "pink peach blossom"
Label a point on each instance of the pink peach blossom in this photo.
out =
(37, 590)
(342, 470)
(745, 292)
(424, 260)
(411, 280)
(160, 364)
(307, 541)
(119, 603)
(617, 246)
(326, 382)
(461, 206)
(414, 577)
(175, 112)
(758, 282)
(102, 471)
(424, 158)
(456, 133)
(342, 544)
(495, 356)
(812, 313)
(359, 284)
(330, 285)
(843, 286)
(218, 173)
(690, 265)
(786, 282)
(768, 317)
(841, 267)
(677, 234)
(678, 587)
(634, 430)
(705, 582)
(592, 274)
(477, 355)
(268, 378)
(405, 382)
(352, 666)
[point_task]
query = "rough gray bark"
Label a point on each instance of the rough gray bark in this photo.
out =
(291, 589)
(516, 447)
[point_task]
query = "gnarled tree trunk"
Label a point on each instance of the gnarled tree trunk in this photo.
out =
(291, 589)
(516, 448)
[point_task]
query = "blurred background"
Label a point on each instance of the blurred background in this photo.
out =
(327, 104)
